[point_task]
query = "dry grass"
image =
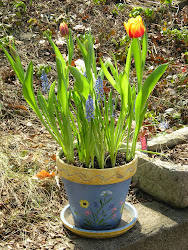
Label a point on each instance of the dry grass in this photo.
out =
(29, 208)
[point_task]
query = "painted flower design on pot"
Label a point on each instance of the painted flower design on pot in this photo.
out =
(87, 213)
(84, 203)
(106, 192)
(114, 209)
(114, 216)
(100, 212)
(111, 206)
(95, 204)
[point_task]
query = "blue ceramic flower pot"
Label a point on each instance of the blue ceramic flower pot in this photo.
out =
(96, 196)
(96, 207)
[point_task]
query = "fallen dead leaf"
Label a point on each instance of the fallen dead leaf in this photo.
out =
(44, 174)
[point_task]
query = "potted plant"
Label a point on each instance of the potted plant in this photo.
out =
(88, 127)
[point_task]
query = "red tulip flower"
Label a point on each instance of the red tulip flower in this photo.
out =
(64, 30)
(135, 27)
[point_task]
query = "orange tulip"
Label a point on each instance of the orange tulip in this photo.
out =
(135, 27)
(64, 30)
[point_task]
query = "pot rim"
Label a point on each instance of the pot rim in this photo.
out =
(94, 176)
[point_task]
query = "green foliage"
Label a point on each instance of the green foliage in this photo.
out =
(20, 7)
(186, 57)
(124, 41)
(121, 6)
(39, 69)
(48, 33)
(166, 1)
(128, 94)
(148, 12)
(139, 10)
(114, 12)
(15, 61)
(121, 47)
(181, 35)
(6, 40)
(83, 39)
(136, 11)
(64, 113)
(152, 116)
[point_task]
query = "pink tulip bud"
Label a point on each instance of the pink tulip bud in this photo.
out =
(64, 30)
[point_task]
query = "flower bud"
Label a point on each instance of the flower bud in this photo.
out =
(13, 52)
(135, 27)
(64, 30)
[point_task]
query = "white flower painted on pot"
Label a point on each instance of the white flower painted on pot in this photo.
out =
(106, 192)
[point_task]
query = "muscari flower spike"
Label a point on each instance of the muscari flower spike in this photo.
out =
(99, 90)
(89, 108)
(45, 83)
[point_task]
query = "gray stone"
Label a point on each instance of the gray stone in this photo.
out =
(164, 180)
(168, 140)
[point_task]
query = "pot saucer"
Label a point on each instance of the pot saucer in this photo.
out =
(129, 218)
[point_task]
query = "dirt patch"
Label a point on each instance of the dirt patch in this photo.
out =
(178, 154)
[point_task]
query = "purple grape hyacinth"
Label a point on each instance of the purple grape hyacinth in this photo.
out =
(99, 89)
(45, 83)
(89, 108)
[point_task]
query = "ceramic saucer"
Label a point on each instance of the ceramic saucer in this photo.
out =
(129, 218)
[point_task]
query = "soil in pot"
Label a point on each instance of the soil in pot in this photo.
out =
(120, 160)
